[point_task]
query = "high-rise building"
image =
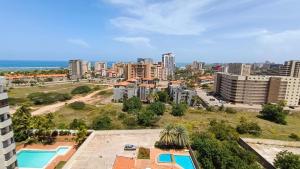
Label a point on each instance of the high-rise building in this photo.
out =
(145, 60)
(239, 69)
(197, 65)
(75, 69)
(78, 68)
(168, 63)
(100, 68)
(138, 71)
(258, 89)
(290, 68)
(7, 143)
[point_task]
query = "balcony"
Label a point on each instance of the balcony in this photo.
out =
(4, 110)
(10, 159)
(7, 136)
(3, 96)
(5, 123)
(9, 148)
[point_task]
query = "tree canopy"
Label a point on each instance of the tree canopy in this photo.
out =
(274, 112)
(287, 160)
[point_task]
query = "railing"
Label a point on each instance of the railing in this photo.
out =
(194, 159)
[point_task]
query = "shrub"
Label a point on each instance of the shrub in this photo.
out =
(223, 131)
(81, 90)
(133, 104)
(76, 124)
(39, 98)
(248, 128)
(77, 105)
(294, 136)
(230, 110)
(54, 133)
(130, 121)
(157, 107)
(143, 153)
(146, 118)
(101, 123)
(287, 160)
(274, 112)
(178, 109)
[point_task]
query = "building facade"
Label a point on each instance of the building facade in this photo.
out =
(138, 71)
(8, 159)
(239, 69)
(75, 69)
(290, 68)
(257, 89)
(179, 93)
(168, 64)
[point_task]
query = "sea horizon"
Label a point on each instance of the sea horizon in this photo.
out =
(17, 65)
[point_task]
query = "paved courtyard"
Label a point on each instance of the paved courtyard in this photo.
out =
(269, 148)
(101, 147)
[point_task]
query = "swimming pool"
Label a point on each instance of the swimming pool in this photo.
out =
(183, 161)
(38, 159)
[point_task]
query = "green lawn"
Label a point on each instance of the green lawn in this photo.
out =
(193, 120)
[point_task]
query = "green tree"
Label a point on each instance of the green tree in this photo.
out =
(21, 123)
(178, 109)
(287, 160)
(81, 135)
(133, 104)
(163, 96)
(101, 123)
(274, 112)
(157, 107)
(223, 131)
(246, 127)
(217, 154)
(146, 118)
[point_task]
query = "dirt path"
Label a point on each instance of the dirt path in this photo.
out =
(57, 106)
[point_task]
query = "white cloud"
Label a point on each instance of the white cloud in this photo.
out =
(177, 17)
(280, 44)
(78, 42)
(174, 17)
(246, 34)
(135, 41)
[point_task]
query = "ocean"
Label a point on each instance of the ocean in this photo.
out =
(10, 65)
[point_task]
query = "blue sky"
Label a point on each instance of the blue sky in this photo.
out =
(113, 30)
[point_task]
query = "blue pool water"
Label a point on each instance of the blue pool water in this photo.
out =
(165, 158)
(37, 158)
(183, 161)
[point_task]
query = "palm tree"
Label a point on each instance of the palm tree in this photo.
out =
(181, 136)
(167, 136)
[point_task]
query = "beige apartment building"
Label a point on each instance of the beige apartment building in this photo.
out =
(290, 68)
(138, 71)
(239, 69)
(257, 89)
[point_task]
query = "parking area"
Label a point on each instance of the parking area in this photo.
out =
(210, 100)
(101, 147)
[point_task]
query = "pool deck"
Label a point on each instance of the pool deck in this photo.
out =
(59, 158)
(102, 147)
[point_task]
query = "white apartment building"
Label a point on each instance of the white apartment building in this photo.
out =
(7, 144)
(258, 89)
(168, 63)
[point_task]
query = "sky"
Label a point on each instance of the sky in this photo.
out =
(114, 30)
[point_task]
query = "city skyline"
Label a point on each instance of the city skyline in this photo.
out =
(112, 30)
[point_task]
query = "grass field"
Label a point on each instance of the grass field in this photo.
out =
(193, 120)
(19, 95)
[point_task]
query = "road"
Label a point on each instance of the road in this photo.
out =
(57, 106)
